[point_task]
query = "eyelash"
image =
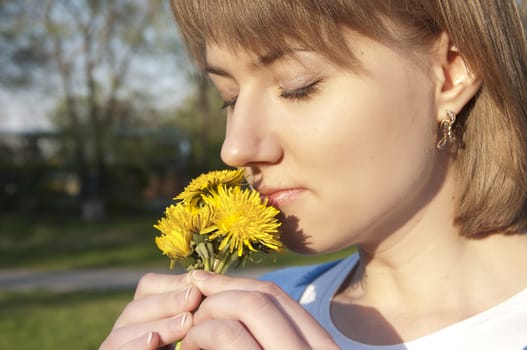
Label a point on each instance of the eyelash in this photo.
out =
(298, 94)
(301, 93)
(229, 103)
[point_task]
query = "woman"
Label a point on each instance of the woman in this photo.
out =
(396, 126)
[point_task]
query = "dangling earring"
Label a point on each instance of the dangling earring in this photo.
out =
(446, 126)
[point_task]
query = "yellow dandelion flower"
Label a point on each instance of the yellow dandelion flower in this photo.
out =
(205, 183)
(176, 231)
(218, 222)
(243, 221)
(202, 219)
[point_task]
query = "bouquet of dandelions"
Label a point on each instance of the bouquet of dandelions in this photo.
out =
(218, 221)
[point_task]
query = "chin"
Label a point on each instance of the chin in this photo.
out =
(297, 240)
(294, 237)
(301, 243)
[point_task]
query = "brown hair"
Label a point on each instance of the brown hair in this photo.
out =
(493, 160)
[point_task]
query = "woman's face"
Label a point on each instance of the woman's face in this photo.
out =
(348, 157)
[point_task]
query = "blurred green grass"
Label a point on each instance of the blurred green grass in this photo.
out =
(68, 243)
(46, 320)
(47, 243)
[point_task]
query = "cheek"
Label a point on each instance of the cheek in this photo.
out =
(372, 137)
(369, 158)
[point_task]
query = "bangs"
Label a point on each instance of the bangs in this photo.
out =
(270, 26)
(264, 26)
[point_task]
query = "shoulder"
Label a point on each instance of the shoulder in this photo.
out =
(294, 280)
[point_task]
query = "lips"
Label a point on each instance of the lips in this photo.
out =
(280, 197)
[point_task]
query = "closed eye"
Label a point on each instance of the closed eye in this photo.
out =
(229, 103)
(301, 93)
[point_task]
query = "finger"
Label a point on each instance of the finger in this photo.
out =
(167, 331)
(153, 341)
(256, 311)
(153, 283)
(159, 306)
(148, 341)
(211, 284)
(219, 335)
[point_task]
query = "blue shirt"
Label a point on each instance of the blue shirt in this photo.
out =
(503, 326)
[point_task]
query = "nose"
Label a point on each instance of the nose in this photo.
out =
(251, 136)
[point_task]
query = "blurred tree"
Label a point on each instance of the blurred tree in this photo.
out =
(93, 44)
(89, 55)
(21, 44)
(84, 51)
(202, 121)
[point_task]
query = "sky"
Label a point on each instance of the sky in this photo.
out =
(27, 110)
(24, 111)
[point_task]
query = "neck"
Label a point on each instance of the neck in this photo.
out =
(397, 299)
(427, 263)
(424, 275)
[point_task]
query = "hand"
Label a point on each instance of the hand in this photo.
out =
(159, 314)
(248, 314)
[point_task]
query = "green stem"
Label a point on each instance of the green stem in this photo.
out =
(220, 266)
(212, 257)
(203, 252)
(224, 264)
(207, 266)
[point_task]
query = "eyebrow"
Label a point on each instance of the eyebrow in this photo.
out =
(272, 56)
(210, 69)
(264, 60)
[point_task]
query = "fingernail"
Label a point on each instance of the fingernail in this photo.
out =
(201, 275)
(179, 320)
(183, 319)
(150, 337)
(187, 294)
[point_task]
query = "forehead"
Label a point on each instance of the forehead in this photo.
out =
(216, 52)
(225, 62)
(289, 52)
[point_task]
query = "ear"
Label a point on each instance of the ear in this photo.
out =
(456, 84)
